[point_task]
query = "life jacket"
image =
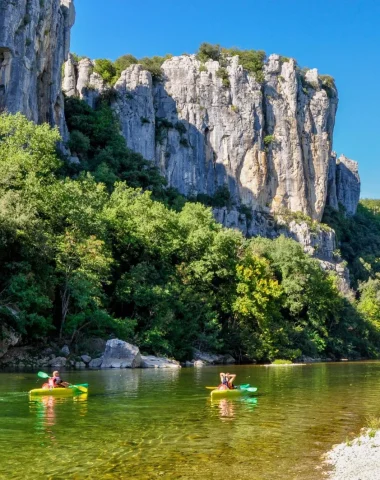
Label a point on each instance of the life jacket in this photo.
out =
(225, 381)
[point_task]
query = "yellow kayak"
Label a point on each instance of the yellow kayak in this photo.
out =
(237, 392)
(215, 394)
(57, 392)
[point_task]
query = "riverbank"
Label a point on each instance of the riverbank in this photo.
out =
(358, 459)
(98, 353)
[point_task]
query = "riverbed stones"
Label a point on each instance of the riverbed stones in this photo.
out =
(357, 460)
(151, 361)
(120, 354)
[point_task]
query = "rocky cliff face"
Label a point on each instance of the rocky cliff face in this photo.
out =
(269, 143)
(344, 184)
(34, 43)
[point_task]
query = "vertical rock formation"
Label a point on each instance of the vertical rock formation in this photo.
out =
(344, 184)
(269, 142)
(34, 43)
(81, 81)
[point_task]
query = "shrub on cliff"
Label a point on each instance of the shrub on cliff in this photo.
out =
(106, 69)
(123, 62)
(151, 64)
(250, 60)
(207, 51)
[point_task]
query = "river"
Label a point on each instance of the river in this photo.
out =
(148, 424)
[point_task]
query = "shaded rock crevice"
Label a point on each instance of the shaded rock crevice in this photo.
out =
(34, 43)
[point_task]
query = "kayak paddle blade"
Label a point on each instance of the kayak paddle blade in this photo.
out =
(82, 388)
(43, 375)
(211, 388)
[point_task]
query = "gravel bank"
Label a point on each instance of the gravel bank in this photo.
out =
(356, 460)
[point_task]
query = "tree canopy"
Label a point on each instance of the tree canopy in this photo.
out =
(83, 254)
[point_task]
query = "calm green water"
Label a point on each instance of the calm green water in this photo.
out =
(148, 424)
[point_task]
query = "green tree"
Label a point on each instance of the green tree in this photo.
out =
(123, 62)
(107, 70)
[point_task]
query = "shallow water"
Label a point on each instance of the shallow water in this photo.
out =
(148, 424)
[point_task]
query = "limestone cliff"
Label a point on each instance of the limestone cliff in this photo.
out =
(269, 142)
(34, 43)
(344, 184)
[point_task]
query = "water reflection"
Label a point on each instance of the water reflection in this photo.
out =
(226, 409)
(229, 409)
(131, 382)
(46, 408)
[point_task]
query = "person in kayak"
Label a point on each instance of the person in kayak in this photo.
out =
(226, 381)
(56, 382)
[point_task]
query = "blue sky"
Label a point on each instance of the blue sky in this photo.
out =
(339, 37)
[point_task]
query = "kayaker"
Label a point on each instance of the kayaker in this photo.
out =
(226, 381)
(231, 377)
(56, 382)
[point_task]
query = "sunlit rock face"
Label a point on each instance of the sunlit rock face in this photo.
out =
(269, 142)
(34, 43)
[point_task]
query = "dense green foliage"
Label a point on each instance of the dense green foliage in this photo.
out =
(106, 69)
(81, 256)
(111, 71)
(95, 138)
(251, 60)
(358, 239)
(359, 243)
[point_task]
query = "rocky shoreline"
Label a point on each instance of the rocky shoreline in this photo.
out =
(96, 354)
(358, 459)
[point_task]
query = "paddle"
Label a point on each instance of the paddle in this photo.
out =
(250, 389)
(83, 387)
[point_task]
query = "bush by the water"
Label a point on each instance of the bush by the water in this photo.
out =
(82, 255)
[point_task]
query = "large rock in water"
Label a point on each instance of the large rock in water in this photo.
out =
(151, 361)
(120, 354)
(8, 338)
